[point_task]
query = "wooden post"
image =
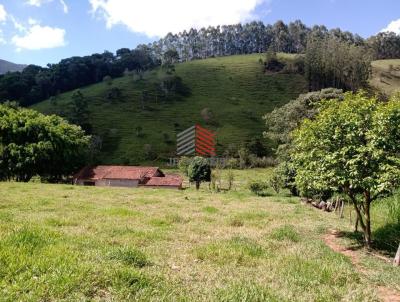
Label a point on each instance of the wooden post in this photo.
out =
(342, 209)
(397, 258)
(336, 204)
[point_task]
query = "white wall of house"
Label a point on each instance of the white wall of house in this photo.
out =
(128, 183)
(164, 187)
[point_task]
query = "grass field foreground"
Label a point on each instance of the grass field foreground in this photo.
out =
(63, 243)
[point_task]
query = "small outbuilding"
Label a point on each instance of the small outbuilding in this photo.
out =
(126, 176)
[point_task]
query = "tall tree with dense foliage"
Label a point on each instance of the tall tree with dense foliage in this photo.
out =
(34, 144)
(79, 111)
(281, 122)
(352, 147)
(332, 62)
(199, 170)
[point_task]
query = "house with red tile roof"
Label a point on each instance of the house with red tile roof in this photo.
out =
(126, 176)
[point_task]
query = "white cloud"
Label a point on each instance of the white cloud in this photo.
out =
(39, 37)
(39, 3)
(64, 6)
(158, 17)
(3, 13)
(393, 26)
(32, 21)
(2, 40)
(17, 24)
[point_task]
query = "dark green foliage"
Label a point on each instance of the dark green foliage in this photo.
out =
(199, 170)
(330, 62)
(139, 131)
(148, 152)
(114, 94)
(173, 87)
(79, 111)
(183, 164)
(352, 147)
(276, 181)
(281, 121)
(257, 147)
(272, 63)
(385, 46)
(35, 144)
(258, 187)
(170, 57)
(37, 83)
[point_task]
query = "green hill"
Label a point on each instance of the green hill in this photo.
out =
(235, 89)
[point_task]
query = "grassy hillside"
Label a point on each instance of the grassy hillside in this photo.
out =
(234, 88)
(68, 243)
(386, 75)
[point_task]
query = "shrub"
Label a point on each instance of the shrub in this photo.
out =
(285, 175)
(183, 164)
(258, 187)
(199, 170)
(231, 178)
(276, 181)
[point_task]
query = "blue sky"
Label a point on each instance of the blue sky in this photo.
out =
(45, 31)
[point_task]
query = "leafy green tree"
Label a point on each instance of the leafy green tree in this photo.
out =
(199, 170)
(332, 62)
(183, 164)
(351, 147)
(171, 56)
(79, 112)
(283, 120)
(34, 144)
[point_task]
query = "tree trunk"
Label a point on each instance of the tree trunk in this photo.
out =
(397, 258)
(367, 233)
(356, 225)
(361, 222)
(197, 185)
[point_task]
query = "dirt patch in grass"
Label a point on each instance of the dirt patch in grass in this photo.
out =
(331, 239)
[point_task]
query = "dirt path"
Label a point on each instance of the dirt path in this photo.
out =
(385, 294)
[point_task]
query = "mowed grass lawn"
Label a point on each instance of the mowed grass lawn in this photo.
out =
(69, 243)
